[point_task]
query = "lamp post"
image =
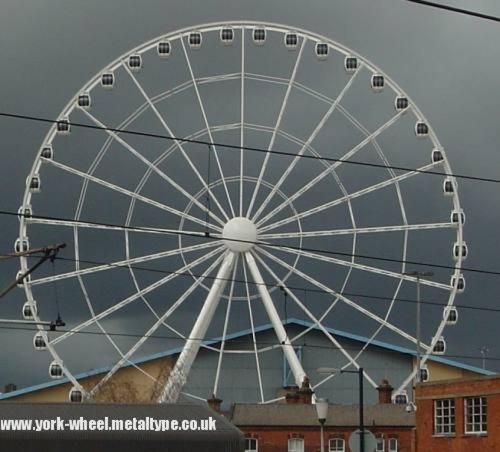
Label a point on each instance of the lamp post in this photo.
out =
(418, 276)
(322, 411)
(359, 371)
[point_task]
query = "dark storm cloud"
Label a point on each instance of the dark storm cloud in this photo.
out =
(445, 62)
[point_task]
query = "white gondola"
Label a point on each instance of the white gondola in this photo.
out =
(291, 41)
(322, 50)
(450, 315)
(351, 64)
(439, 346)
(40, 341)
(401, 398)
(227, 36)
(84, 100)
(34, 183)
(460, 250)
(21, 245)
(63, 126)
(259, 36)
(134, 62)
(20, 280)
(55, 370)
(47, 152)
(377, 82)
(421, 129)
(424, 373)
(401, 103)
(108, 80)
(25, 211)
(437, 156)
(195, 40)
(457, 216)
(164, 48)
(448, 187)
(29, 309)
(75, 395)
(459, 283)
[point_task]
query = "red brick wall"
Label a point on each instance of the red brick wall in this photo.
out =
(459, 442)
(275, 439)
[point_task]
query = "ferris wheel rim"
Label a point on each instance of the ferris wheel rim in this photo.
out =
(179, 34)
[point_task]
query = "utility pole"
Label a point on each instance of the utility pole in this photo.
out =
(360, 372)
(418, 276)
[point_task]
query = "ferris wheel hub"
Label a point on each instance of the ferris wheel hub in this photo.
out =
(239, 234)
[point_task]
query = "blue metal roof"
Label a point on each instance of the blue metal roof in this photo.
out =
(238, 334)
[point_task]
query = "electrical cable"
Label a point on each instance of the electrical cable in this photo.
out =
(263, 244)
(252, 149)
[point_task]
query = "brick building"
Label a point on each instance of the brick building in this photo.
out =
(294, 427)
(459, 415)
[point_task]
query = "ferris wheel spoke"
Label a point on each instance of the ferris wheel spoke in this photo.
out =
(276, 127)
(151, 166)
(329, 169)
(111, 227)
(224, 332)
(281, 334)
(342, 297)
(179, 374)
(367, 268)
(133, 195)
(123, 263)
(343, 199)
(311, 138)
(183, 152)
(252, 327)
(242, 118)
(209, 131)
(155, 326)
(316, 321)
(370, 230)
(135, 296)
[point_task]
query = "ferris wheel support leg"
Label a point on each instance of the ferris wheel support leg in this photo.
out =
(179, 374)
(284, 340)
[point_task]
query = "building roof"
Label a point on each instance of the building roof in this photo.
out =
(242, 333)
(304, 415)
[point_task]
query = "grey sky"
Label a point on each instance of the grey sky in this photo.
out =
(446, 62)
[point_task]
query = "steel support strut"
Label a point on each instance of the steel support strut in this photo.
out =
(286, 345)
(178, 377)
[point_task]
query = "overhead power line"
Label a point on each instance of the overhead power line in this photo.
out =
(263, 244)
(453, 9)
(251, 149)
(219, 339)
(269, 285)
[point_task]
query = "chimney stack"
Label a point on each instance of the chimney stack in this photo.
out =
(305, 391)
(384, 392)
(214, 403)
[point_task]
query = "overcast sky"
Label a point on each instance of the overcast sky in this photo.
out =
(448, 63)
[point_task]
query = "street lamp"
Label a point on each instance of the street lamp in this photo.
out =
(359, 371)
(322, 411)
(418, 276)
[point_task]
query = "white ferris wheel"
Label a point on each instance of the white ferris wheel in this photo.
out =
(253, 203)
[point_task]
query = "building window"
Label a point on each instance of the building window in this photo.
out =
(295, 445)
(393, 445)
(337, 445)
(380, 444)
(251, 445)
(475, 415)
(444, 416)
